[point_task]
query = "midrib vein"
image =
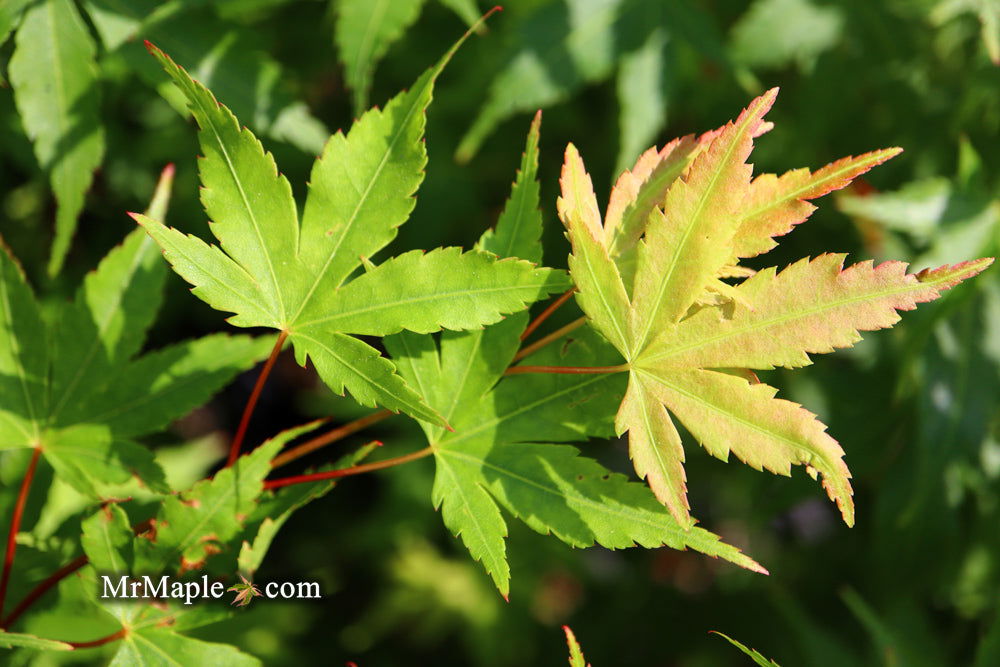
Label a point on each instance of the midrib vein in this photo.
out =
(360, 204)
(412, 300)
(692, 222)
(783, 319)
(243, 196)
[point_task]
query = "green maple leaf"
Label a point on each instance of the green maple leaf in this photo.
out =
(657, 297)
(152, 635)
(213, 525)
(155, 646)
(502, 451)
(207, 520)
(273, 271)
(73, 386)
(203, 522)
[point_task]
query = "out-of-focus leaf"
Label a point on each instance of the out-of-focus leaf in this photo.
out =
(202, 521)
(988, 13)
(467, 10)
(556, 50)
(989, 16)
(24, 359)
(365, 30)
(945, 220)
(74, 390)
(642, 97)
(959, 382)
(118, 21)
(89, 458)
(988, 651)
(228, 59)
(168, 383)
(107, 540)
(242, 9)
(151, 646)
(10, 14)
(776, 33)
(885, 640)
(18, 640)
(106, 324)
(54, 76)
(273, 510)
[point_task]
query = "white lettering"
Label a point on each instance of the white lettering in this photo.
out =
(155, 590)
(309, 589)
(109, 589)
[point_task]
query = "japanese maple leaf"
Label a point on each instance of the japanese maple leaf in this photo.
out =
(245, 592)
(648, 279)
(507, 450)
(272, 270)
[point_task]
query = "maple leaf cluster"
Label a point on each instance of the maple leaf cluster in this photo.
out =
(652, 279)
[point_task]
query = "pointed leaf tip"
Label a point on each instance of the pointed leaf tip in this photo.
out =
(766, 101)
(949, 275)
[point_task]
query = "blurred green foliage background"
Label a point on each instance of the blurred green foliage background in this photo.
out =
(916, 582)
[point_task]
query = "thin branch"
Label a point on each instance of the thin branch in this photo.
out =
(329, 437)
(566, 370)
(115, 636)
(345, 472)
(545, 340)
(15, 525)
(544, 315)
(234, 448)
(40, 590)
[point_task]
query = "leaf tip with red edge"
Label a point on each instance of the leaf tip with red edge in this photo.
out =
(950, 275)
(768, 99)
